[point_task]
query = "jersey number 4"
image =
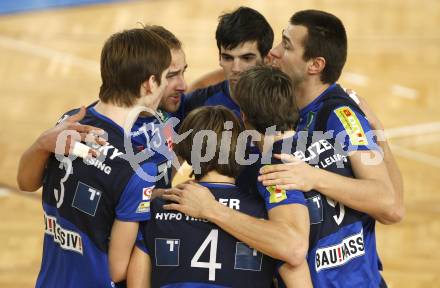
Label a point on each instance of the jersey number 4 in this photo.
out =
(212, 265)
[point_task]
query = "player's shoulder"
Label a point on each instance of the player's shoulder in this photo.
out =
(340, 110)
(198, 97)
(338, 103)
(71, 112)
(207, 91)
(347, 117)
(350, 123)
(66, 115)
(225, 191)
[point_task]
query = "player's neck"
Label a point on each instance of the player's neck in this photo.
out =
(215, 177)
(266, 143)
(309, 90)
(123, 116)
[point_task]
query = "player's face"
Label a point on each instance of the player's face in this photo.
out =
(237, 60)
(172, 95)
(288, 55)
(157, 91)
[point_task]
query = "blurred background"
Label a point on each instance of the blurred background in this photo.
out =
(49, 63)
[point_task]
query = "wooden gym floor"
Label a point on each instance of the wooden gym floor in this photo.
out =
(49, 63)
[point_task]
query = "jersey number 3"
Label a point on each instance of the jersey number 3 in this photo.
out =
(59, 195)
(338, 218)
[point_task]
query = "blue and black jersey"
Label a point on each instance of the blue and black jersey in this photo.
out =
(214, 95)
(190, 252)
(342, 248)
(272, 195)
(154, 135)
(81, 200)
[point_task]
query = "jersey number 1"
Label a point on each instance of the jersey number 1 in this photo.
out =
(212, 265)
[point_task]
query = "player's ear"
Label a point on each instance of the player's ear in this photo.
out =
(149, 85)
(316, 65)
(153, 83)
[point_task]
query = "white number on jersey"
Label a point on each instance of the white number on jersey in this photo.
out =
(338, 218)
(212, 265)
(66, 163)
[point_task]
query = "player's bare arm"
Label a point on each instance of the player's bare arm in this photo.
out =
(139, 269)
(30, 176)
(388, 157)
(284, 236)
(122, 239)
(371, 192)
(378, 191)
(298, 276)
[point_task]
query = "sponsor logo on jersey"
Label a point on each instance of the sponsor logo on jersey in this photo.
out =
(98, 164)
(230, 202)
(86, 198)
(351, 125)
(143, 207)
(276, 194)
(146, 193)
(163, 115)
(66, 239)
(313, 151)
(341, 253)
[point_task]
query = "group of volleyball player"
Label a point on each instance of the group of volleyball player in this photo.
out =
(291, 173)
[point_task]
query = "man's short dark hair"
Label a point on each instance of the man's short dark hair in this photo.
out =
(326, 38)
(211, 118)
(265, 96)
(244, 25)
(166, 35)
(128, 59)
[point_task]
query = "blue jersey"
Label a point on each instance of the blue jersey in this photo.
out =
(189, 252)
(153, 135)
(214, 95)
(81, 200)
(272, 195)
(342, 246)
(219, 94)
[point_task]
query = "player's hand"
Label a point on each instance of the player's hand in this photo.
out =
(189, 198)
(84, 133)
(157, 192)
(294, 174)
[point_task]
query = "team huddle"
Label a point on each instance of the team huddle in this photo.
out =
(290, 172)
